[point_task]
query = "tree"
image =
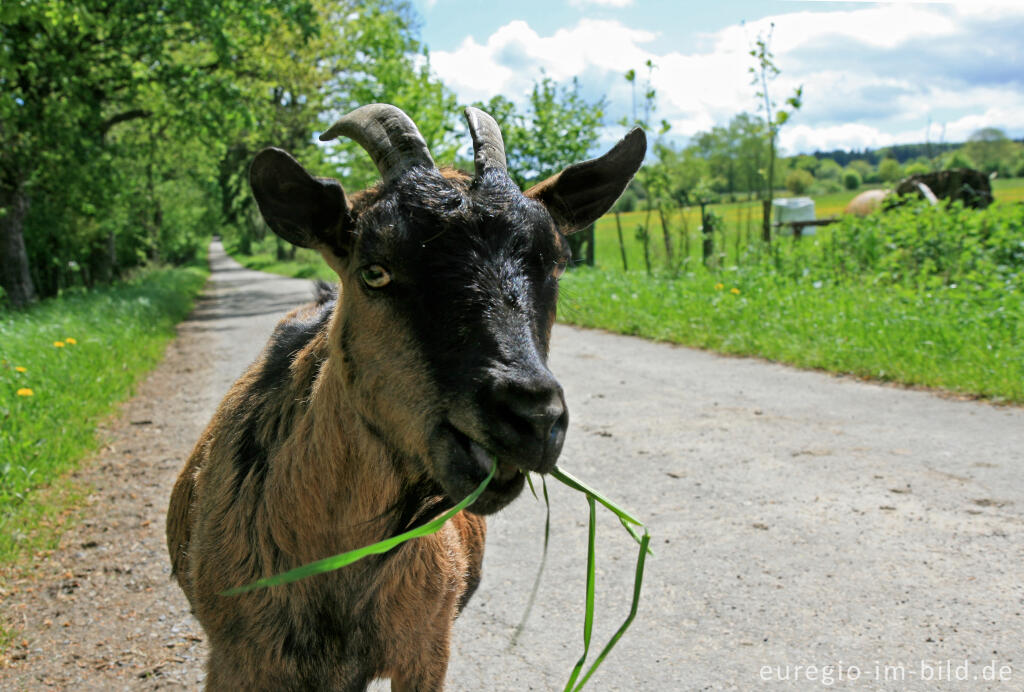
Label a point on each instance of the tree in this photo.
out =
(774, 118)
(828, 169)
(366, 51)
(958, 159)
(559, 128)
(992, 151)
(799, 181)
(805, 162)
(851, 179)
(916, 168)
(127, 128)
(863, 168)
(74, 73)
(735, 153)
(889, 170)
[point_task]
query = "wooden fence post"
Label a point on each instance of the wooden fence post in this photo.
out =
(707, 233)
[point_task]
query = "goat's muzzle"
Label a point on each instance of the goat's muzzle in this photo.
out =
(527, 419)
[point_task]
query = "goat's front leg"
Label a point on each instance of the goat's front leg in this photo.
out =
(431, 680)
(426, 672)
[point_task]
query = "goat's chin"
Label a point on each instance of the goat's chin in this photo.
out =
(460, 465)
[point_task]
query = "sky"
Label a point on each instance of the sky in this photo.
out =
(873, 73)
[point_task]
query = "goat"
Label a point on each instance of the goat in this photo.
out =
(376, 408)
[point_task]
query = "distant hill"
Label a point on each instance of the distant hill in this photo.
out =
(900, 152)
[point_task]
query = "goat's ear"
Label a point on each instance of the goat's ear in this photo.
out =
(306, 211)
(581, 193)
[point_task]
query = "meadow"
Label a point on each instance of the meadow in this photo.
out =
(920, 296)
(64, 365)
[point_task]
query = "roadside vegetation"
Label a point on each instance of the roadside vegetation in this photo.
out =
(919, 295)
(133, 147)
(128, 134)
(64, 365)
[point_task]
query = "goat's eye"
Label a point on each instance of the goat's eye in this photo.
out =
(375, 276)
(559, 268)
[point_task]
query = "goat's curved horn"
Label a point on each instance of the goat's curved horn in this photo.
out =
(488, 146)
(387, 134)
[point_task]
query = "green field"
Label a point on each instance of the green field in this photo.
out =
(740, 229)
(64, 365)
(921, 296)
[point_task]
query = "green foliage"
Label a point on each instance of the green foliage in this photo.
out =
(805, 163)
(108, 338)
(96, 105)
(128, 129)
(851, 179)
(762, 75)
(627, 202)
(958, 159)
(864, 169)
(992, 151)
(916, 168)
(737, 154)
(947, 338)
(889, 170)
(799, 181)
(921, 294)
(560, 127)
(828, 170)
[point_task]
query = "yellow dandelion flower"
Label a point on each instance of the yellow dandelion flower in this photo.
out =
(71, 340)
(25, 391)
(719, 287)
(735, 291)
(58, 344)
(21, 368)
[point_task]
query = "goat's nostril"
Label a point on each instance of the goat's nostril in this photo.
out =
(532, 410)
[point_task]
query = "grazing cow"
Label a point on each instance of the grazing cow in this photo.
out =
(967, 185)
(377, 407)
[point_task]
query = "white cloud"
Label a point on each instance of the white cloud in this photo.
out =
(512, 57)
(872, 76)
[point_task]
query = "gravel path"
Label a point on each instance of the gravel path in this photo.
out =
(798, 520)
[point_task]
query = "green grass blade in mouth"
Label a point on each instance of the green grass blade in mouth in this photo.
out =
(529, 482)
(576, 483)
(626, 520)
(588, 618)
(338, 561)
(637, 583)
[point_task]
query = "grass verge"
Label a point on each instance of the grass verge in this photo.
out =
(64, 365)
(947, 338)
(921, 295)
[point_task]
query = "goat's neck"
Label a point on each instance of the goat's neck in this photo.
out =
(335, 481)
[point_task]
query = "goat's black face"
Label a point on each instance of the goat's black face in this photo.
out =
(462, 280)
(450, 284)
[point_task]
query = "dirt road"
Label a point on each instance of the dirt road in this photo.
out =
(808, 530)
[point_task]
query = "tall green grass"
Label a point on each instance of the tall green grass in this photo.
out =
(736, 236)
(64, 364)
(951, 338)
(920, 295)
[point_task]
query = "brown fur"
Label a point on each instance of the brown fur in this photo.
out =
(323, 495)
(372, 413)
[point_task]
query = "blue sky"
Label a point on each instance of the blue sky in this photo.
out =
(873, 73)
